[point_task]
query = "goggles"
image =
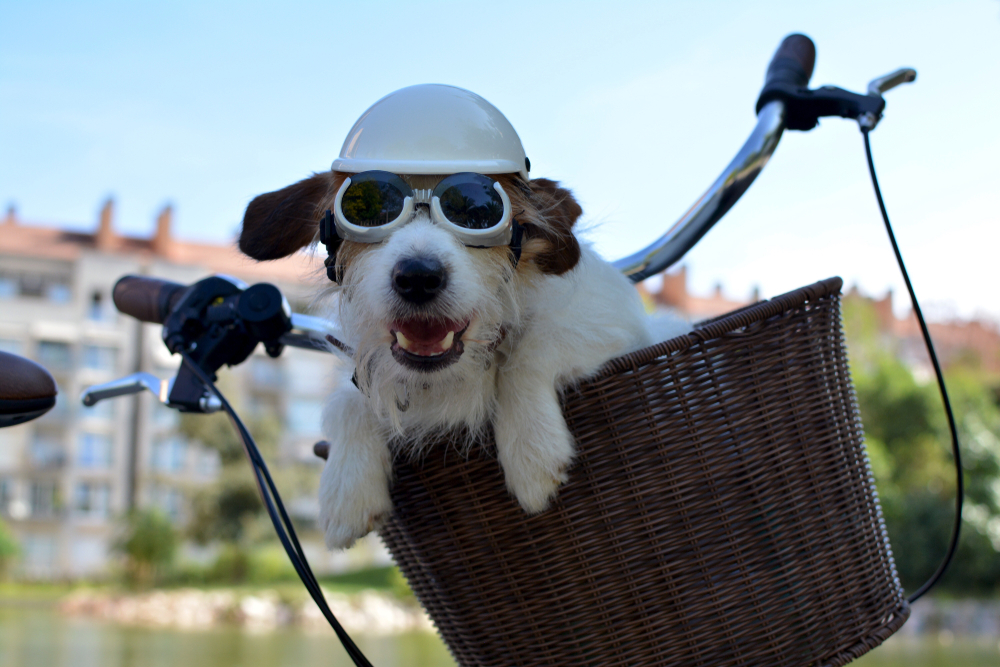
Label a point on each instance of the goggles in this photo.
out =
(371, 205)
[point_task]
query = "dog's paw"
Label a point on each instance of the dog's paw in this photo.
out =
(535, 489)
(535, 461)
(350, 509)
(354, 488)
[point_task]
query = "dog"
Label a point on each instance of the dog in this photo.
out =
(489, 340)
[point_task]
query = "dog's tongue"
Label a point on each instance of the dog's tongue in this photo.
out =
(426, 332)
(427, 338)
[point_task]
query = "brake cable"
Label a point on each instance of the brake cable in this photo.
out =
(959, 481)
(279, 517)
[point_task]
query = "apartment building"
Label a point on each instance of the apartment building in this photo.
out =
(65, 478)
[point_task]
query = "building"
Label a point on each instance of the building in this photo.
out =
(673, 295)
(65, 478)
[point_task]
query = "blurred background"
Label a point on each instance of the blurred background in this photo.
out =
(132, 136)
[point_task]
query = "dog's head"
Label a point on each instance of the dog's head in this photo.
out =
(419, 305)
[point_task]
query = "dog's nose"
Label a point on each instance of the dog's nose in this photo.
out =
(419, 279)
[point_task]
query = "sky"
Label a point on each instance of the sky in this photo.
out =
(635, 106)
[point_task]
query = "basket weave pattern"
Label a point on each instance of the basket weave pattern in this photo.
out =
(720, 512)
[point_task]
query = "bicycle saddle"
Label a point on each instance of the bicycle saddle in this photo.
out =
(27, 390)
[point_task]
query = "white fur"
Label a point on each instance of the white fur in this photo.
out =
(559, 329)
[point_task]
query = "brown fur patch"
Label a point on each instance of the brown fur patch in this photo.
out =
(278, 223)
(547, 212)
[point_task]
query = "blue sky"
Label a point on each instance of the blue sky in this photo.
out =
(635, 106)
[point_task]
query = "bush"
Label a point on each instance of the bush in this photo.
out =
(8, 550)
(148, 541)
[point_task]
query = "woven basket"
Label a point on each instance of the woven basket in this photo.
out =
(720, 511)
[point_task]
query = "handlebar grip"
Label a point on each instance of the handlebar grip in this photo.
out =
(146, 299)
(26, 390)
(793, 62)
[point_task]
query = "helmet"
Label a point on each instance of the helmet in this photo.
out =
(433, 129)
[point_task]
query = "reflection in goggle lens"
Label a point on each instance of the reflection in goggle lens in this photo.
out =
(372, 202)
(470, 201)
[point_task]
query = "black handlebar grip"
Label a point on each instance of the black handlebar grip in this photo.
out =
(146, 299)
(793, 62)
(26, 390)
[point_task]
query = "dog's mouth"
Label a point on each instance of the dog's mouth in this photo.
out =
(427, 345)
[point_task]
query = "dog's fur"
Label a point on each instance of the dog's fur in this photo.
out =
(533, 329)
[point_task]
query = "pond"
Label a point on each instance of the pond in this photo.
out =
(38, 636)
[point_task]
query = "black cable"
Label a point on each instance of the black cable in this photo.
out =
(279, 517)
(959, 483)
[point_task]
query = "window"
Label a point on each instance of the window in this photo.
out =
(267, 373)
(46, 451)
(8, 287)
(100, 358)
(100, 309)
(35, 286)
(103, 411)
(304, 416)
(39, 553)
(92, 499)
(208, 463)
(168, 454)
(94, 451)
(6, 495)
(10, 345)
(58, 292)
(168, 499)
(54, 356)
(164, 417)
(44, 499)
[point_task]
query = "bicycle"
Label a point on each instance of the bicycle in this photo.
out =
(219, 321)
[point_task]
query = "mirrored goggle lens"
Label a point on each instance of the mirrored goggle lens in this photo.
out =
(373, 199)
(470, 201)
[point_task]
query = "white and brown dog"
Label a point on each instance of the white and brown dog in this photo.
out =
(450, 326)
(448, 336)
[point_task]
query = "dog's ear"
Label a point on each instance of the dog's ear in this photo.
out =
(278, 223)
(559, 251)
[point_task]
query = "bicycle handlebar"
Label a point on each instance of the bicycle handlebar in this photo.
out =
(793, 62)
(146, 299)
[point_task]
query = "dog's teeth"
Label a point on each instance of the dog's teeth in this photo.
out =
(403, 341)
(448, 340)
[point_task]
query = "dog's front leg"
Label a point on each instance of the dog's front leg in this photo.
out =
(533, 443)
(354, 487)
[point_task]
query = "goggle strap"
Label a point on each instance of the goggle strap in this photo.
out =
(328, 236)
(516, 231)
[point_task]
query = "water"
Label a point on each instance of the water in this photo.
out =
(41, 637)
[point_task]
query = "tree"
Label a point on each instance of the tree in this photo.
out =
(8, 550)
(908, 442)
(148, 542)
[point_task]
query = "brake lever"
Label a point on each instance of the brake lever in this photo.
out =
(883, 84)
(136, 383)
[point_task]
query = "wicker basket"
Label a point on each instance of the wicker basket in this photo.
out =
(721, 511)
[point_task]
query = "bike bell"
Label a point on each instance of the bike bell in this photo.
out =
(433, 129)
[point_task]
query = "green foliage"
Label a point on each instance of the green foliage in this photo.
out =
(227, 509)
(909, 446)
(148, 542)
(8, 550)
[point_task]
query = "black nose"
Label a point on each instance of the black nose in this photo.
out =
(419, 279)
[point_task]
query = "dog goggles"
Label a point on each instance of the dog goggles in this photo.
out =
(371, 205)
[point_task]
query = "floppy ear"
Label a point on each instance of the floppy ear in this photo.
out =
(558, 211)
(278, 223)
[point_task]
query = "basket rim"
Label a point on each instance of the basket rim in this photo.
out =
(713, 328)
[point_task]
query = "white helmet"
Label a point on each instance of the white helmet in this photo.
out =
(433, 129)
